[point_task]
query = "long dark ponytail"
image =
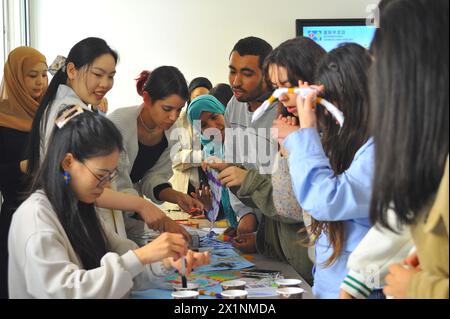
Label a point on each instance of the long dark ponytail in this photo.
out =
(86, 136)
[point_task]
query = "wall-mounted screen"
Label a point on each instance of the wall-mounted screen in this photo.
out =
(331, 33)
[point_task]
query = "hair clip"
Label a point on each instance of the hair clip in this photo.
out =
(69, 113)
(59, 63)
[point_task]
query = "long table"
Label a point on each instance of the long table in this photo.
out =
(260, 261)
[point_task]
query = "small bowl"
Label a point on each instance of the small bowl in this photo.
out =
(286, 283)
(233, 285)
(290, 293)
(234, 294)
(190, 286)
(185, 294)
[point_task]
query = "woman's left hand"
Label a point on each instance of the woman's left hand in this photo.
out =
(398, 281)
(193, 260)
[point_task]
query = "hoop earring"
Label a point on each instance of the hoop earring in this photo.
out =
(67, 178)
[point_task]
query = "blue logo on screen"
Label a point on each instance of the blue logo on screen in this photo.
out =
(315, 35)
(330, 37)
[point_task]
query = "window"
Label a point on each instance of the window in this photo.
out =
(15, 26)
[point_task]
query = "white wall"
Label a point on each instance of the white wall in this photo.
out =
(194, 35)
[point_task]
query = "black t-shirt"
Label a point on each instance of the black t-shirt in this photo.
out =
(146, 158)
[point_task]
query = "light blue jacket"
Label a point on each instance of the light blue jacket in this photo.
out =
(331, 198)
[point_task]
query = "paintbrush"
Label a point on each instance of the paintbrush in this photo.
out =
(183, 273)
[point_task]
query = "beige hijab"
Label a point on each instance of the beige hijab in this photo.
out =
(17, 107)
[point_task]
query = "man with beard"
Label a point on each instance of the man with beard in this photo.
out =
(248, 143)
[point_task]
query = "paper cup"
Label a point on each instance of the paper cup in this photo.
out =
(185, 294)
(290, 293)
(234, 294)
(190, 286)
(233, 285)
(286, 283)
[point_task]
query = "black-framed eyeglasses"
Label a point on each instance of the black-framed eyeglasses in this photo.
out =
(104, 179)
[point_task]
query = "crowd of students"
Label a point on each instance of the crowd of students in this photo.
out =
(359, 208)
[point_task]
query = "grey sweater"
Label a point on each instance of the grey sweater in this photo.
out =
(258, 153)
